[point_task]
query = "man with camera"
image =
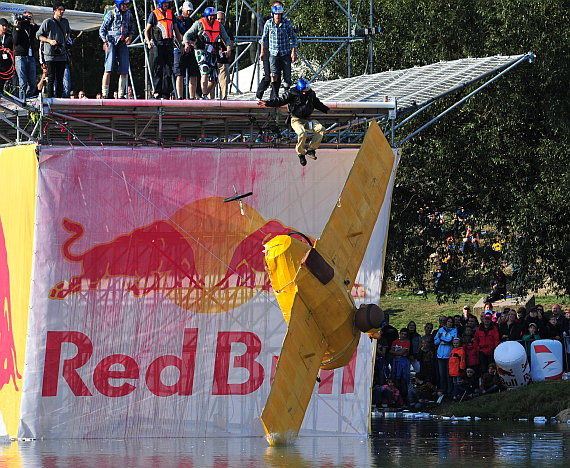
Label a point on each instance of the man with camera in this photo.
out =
(6, 59)
(23, 37)
(54, 33)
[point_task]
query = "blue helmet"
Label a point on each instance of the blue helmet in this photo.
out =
(210, 11)
(118, 3)
(160, 2)
(303, 85)
(277, 9)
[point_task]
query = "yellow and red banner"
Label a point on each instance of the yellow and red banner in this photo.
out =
(151, 311)
(18, 173)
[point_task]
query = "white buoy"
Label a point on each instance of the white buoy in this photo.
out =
(546, 360)
(512, 364)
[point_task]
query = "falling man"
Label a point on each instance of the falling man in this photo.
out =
(301, 102)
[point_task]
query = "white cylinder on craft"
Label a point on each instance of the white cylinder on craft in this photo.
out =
(512, 364)
(546, 360)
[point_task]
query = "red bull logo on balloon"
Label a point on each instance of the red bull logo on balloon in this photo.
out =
(8, 360)
(207, 258)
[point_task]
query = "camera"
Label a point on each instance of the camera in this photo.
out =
(22, 18)
(57, 49)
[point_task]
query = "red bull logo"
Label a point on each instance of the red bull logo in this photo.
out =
(8, 360)
(208, 258)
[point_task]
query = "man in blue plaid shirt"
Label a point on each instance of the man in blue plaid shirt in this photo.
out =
(279, 37)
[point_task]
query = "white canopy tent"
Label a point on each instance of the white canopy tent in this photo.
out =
(78, 20)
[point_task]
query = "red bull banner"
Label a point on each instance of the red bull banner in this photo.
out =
(18, 173)
(151, 314)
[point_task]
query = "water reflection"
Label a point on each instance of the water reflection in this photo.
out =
(394, 442)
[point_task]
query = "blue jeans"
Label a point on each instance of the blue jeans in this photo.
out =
(445, 380)
(281, 63)
(26, 69)
(117, 52)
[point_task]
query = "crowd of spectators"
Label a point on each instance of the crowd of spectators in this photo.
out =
(456, 358)
(189, 54)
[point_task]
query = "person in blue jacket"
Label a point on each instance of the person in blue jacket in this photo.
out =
(444, 342)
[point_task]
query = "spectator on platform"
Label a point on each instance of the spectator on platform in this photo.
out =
(414, 339)
(280, 41)
(301, 102)
(208, 34)
(499, 285)
(223, 63)
(160, 31)
(486, 340)
(6, 58)
(470, 240)
(511, 329)
(423, 393)
(530, 336)
(443, 341)
(467, 386)
(185, 62)
(24, 37)
(44, 78)
(491, 382)
(266, 80)
(117, 32)
(54, 34)
(426, 358)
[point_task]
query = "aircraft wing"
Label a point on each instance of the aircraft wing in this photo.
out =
(345, 237)
(295, 376)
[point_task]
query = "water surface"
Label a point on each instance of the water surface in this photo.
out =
(394, 442)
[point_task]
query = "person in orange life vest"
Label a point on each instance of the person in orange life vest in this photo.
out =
(223, 64)
(206, 36)
(161, 47)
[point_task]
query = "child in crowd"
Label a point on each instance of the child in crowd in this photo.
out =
(426, 358)
(552, 329)
(391, 395)
(423, 392)
(400, 367)
(490, 382)
(457, 362)
(531, 336)
(467, 386)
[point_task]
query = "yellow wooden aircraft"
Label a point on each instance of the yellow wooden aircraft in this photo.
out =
(312, 286)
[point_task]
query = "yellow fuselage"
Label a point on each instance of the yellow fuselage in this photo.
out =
(331, 304)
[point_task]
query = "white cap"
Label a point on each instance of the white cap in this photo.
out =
(188, 6)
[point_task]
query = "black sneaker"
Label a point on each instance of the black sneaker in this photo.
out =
(302, 159)
(311, 154)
